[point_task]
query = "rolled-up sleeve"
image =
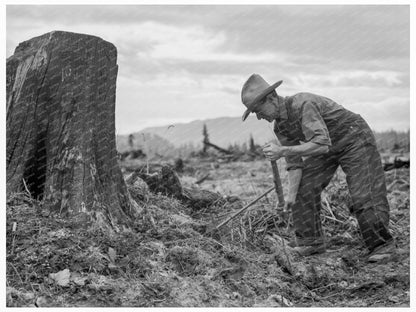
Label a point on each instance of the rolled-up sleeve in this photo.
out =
(292, 162)
(313, 126)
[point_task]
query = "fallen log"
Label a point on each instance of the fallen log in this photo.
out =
(396, 164)
(206, 143)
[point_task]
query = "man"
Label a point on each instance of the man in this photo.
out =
(330, 136)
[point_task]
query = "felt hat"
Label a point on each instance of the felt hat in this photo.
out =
(254, 90)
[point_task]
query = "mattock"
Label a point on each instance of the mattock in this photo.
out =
(279, 190)
(280, 205)
(278, 186)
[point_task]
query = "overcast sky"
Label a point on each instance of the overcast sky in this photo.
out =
(181, 63)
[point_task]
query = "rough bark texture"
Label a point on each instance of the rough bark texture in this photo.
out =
(61, 125)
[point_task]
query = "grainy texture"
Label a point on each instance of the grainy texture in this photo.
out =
(166, 182)
(61, 125)
(168, 260)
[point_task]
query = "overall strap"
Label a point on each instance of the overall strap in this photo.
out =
(293, 121)
(289, 109)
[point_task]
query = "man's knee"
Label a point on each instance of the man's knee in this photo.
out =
(373, 214)
(366, 202)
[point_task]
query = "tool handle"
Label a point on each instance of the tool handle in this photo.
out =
(245, 208)
(278, 184)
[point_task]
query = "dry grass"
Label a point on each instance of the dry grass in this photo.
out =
(167, 259)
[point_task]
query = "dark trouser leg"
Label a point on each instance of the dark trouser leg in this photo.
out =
(366, 181)
(316, 175)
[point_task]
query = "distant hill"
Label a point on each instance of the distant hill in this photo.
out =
(222, 132)
(150, 144)
(225, 131)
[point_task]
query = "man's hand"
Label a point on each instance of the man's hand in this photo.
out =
(273, 151)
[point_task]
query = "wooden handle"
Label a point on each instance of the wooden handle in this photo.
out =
(278, 184)
(244, 208)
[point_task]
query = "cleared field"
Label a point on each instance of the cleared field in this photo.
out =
(168, 259)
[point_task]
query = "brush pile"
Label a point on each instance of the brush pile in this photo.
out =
(168, 259)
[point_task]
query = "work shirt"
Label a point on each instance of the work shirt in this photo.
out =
(306, 117)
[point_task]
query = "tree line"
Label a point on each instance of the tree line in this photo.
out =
(154, 146)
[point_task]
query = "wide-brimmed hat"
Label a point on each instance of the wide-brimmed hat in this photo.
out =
(254, 90)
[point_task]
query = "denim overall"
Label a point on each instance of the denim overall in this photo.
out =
(354, 149)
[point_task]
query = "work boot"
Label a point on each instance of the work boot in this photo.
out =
(383, 253)
(306, 251)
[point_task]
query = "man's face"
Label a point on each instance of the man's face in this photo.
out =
(268, 108)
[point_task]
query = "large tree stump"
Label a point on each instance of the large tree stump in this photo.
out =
(61, 126)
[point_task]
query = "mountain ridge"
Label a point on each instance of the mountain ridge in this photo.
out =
(226, 131)
(222, 131)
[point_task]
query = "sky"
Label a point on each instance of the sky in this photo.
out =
(179, 63)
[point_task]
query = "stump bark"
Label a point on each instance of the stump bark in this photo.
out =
(60, 126)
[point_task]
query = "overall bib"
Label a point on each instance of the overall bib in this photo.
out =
(354, 149)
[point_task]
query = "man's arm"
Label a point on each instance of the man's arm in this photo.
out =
(274, 152)
(294, 161)
(305, 149)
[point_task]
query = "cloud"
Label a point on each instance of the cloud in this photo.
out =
(334, 32)
(173, 98)
(189, 62)
(352, 78)
(390, 113)
(196, 44)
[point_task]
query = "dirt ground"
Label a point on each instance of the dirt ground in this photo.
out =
(169, 260)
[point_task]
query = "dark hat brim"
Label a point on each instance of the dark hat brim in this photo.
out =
(258, 98)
